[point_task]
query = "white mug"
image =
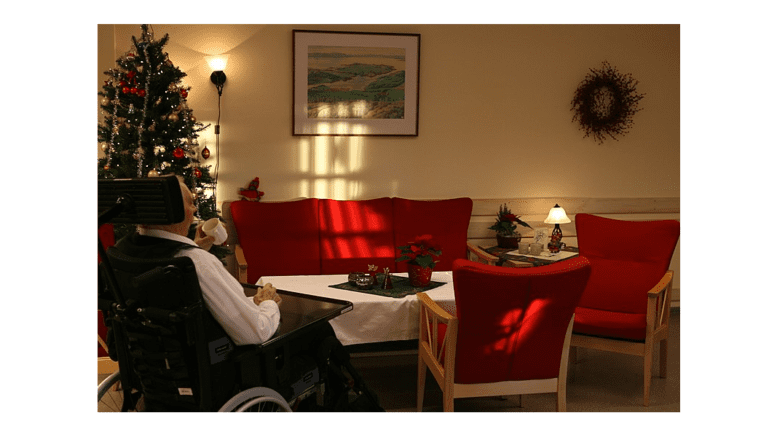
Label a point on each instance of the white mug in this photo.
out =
(215, 229)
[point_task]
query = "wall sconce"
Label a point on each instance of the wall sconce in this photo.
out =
(218, 64)
(556, 216)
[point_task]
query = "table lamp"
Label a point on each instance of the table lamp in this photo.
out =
(556, 216)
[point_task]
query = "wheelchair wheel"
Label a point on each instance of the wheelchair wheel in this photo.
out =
(110, 396)
(257, 399)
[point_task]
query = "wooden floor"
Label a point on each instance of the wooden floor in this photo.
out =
(602, 382)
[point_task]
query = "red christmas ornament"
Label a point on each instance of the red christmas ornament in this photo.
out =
(198, 173)
(133, 90)
(122, 83)
(178, 153)
(142, 93)
(125, 90)
(184, 93)
(131, 74)
(206, 153)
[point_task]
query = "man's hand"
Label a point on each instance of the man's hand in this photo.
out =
(268, 292)
(203, 240)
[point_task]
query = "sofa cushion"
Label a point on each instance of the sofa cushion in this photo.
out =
(446, 220)
(278, 238)
(355, 233)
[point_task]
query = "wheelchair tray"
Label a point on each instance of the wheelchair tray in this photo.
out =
(299, 311)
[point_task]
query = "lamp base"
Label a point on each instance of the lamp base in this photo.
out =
(554, 245)
(218, 78)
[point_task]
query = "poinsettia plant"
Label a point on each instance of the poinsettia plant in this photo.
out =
(507, 222)
(423, 251)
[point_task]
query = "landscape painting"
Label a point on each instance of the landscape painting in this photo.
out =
(355, 83)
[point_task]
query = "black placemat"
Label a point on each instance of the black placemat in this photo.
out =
(401, 288)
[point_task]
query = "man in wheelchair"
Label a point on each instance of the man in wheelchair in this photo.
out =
(177, 356)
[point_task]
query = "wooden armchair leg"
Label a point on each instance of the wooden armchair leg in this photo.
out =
(421, 384)
(561, 397)
(663, 357)
(648, 361)
(571, 366)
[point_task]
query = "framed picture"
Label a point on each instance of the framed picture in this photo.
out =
(542, 236)
(355, 83)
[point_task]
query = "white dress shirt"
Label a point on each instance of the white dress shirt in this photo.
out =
(243, 320)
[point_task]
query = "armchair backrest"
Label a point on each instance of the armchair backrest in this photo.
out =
(278, 238)
(627, 259)
(513, 322)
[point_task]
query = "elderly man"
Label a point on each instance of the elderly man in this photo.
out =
(245, 320)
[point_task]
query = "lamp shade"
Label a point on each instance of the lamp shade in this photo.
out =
(217, 63)
(557, 215)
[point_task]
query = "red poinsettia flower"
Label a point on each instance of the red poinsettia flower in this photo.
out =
(421, 251)
(509, 218)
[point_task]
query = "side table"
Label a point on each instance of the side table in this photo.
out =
(511, 258)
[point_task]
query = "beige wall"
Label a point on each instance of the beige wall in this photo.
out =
(495, 119)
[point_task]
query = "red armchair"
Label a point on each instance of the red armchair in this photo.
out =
(625, 306)
(510, 334)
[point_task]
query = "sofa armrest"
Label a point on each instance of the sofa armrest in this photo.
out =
(242, 265)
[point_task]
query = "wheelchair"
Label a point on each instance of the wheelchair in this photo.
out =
(174, 356)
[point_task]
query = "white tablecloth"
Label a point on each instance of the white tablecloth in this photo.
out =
(373, 318)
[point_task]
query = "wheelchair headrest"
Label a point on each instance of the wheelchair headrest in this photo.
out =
(141, 201)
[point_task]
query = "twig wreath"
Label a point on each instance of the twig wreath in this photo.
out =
(605, 103)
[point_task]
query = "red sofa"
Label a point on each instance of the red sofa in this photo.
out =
(325, 236)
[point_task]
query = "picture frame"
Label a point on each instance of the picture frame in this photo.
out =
(542, 236)
(355, 83)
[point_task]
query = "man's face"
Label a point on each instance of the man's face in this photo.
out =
(189, 211)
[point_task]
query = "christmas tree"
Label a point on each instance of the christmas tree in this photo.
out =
(148, 129)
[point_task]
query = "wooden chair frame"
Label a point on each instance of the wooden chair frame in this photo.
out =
(659, 299)
(444, 369)
(242, 264)
(478, 254)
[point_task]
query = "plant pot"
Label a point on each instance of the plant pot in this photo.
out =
(419, 276)
(508, 241)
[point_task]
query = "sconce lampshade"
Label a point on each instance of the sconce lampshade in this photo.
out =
(217, 63)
